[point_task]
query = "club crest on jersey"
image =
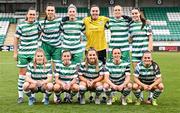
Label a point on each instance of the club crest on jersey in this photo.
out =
(101, 23)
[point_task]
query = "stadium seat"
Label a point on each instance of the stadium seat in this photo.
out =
(3, 31)
(165, 22)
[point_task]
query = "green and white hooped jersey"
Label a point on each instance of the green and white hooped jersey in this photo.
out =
(41, 72)
(119, 34)
(28, 38)
(147, 75)
(72, 36)
(66, 73)
(117, 72)
(139, 37)
(89, 71)
(51, 31)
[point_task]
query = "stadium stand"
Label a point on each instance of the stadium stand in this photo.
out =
(3, 31)
(10, 34)
(7, 17)
(104, 11)
(165, 22)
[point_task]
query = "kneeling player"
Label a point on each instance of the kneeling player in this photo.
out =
(39, 77)
(117, 77)
(66, 78)
(90, 75)
(147, 77)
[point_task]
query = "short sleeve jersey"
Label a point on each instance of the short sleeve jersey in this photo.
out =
(117, 72)
(28, 36)
(95, 32)
(147, 75)
(40, 72)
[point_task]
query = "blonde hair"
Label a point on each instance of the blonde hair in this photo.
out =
(86, 59)
(72, 6)
(39, 50)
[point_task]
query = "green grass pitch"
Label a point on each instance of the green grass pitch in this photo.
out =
(169, 101)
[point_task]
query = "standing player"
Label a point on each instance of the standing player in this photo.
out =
(50, 36)
(90, 76)
(141, 34)
(147, 77)
(66, 77)
(119, 27)
(72, 30)
(38, 77)
(118, 77)
(95, 26)
(50, 29)
(25, 45)
(95, 32)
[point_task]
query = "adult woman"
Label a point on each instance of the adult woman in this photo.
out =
(66, 78)
(147, 76)
(25, 45)
(38, 77)
(141, 34)
(95, 26)
(72, 30)
(117, 77)
(90, 76)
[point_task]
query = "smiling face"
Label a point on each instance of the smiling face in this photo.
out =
(147, 59)
(50, 12)
(31, 16)
(66, 58)
(72, 13)
(116, 53)
(39, 58)
(95, 13)
(117, 11)
(135, 15)
(92, 57)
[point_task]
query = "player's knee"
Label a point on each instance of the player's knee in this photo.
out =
(25, 86)
(82, 88)
(32, 86)
(75, 88)
(82, 83)
(129, 85)
(98, 84)
(135, 86)
(49, 86)
(106, 86)
(99, 88)
(161, 86)
(56, 87)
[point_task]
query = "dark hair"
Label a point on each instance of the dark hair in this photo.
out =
(146, 51)
(50, 4)
(30, 8)
(94, 5)
(66, 51)
(45, 19)
(115, 48)
(154, 64)
(143, 20)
